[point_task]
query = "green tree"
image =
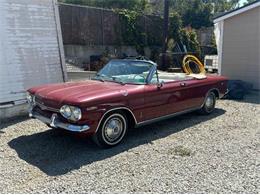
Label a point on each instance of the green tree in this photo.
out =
(197, 14)
(175, 26)
(181, 36)
(132, 32)
(222, 5)
(190, 40)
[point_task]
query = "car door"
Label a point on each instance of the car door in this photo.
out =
(195, 91)
(171, 97)
(167, 99)
(155, 102)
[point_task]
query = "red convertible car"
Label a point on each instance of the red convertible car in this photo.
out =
(124, 94)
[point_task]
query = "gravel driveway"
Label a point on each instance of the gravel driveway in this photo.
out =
(218, 153)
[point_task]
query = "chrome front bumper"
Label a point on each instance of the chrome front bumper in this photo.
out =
(56, 123)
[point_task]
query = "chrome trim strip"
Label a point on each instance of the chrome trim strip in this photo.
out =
(208, 94)
(177, 113)
(113, 109)
(166, 117)
(43, 107)
(54, 122)
(158, 118)
(150, 74)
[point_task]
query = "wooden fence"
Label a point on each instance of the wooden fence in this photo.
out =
(82, 25)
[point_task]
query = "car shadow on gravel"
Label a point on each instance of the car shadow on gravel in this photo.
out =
(56, 153)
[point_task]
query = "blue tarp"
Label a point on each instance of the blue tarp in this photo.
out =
(237, 89)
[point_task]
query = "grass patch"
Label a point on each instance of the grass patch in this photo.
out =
(180, 151)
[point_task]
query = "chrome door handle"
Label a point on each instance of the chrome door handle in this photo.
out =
(183, 84)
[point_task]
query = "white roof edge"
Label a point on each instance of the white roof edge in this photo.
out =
(239, 11)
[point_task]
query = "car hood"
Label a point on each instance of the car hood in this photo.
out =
(79, 92)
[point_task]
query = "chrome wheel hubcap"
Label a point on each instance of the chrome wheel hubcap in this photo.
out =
(113, 129)
(209, 101)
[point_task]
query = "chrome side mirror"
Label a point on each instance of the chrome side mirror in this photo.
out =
(160, 84)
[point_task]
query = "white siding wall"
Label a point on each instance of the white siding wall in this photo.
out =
(29, 47)
(241, 47)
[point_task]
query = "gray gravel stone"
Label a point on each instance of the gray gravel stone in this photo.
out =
(218, 153)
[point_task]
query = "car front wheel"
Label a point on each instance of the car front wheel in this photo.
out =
(112, 130)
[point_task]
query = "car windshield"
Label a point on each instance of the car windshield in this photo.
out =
(125, 71)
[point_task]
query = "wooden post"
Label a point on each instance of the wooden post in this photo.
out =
(165, 33)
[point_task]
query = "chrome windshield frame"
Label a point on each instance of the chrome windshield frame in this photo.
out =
(152, 69)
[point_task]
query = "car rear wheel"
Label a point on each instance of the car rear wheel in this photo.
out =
(209, 104)
(112, 130)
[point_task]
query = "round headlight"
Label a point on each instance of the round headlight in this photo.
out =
(65, 111)
(76, 113)
(71, 112)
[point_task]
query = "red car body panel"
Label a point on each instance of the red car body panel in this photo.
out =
(146, 102)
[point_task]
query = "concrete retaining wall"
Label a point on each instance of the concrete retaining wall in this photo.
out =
(83, 52)
(8, 113)
(81, 75)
